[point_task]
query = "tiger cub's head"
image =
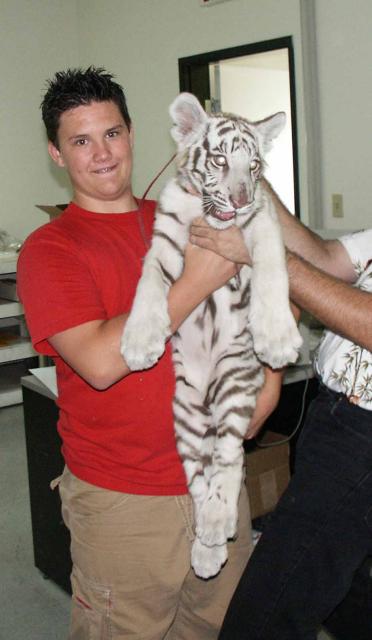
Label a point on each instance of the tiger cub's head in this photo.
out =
(221, 157)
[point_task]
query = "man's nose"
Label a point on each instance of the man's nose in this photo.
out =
(101, 150)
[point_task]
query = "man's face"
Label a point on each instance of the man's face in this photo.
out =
(95, 146)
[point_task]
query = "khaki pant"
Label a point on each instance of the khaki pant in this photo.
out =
(131, 575)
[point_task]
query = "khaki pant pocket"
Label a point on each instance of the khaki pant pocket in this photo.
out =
(91, 609)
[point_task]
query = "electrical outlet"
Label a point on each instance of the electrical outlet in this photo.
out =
(337, 205)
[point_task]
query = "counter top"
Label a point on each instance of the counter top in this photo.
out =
(296, 373)
(31, 382)
(292, 374)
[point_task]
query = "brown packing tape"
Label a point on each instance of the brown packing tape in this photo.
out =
(267, 475)
(267, 457)
(268, 489)
(265, 490)
(262, 460)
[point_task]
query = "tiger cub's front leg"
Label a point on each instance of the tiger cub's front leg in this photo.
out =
(148, 325)
(275, 334)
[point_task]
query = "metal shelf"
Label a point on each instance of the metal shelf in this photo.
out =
(10, 382)
(19, 349)
(9, 309)
(8, 262)
(10, 393)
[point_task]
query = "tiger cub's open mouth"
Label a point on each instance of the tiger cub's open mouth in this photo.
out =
(222, 215)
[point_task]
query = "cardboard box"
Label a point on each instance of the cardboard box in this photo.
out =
(267, 473)
(53, 211)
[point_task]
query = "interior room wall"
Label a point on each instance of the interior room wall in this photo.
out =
(142, 46)
(36, 39)
(344, 52)
(140, 41)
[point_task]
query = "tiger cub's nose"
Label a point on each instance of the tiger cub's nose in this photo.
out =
(240, 199)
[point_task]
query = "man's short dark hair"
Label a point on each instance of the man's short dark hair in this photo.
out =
(76, 87)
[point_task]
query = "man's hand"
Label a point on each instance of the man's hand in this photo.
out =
(267, 400)
(204, 272)
(228, 243)
(215, 270)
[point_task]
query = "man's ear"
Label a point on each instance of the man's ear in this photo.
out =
(131, 136)
(55, 154)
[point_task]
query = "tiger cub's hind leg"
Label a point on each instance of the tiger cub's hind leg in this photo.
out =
(234, 402)
(207, 561)
(192, 424)
(195, 444)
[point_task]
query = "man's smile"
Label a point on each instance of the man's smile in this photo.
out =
(105, 170)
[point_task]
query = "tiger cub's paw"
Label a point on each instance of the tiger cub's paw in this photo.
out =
(276, 337)
(143, 343)
(207, 561)
(217, 521)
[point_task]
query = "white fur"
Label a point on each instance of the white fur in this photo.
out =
(209, 375)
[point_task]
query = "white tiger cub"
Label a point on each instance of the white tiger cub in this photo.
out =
(219, 348)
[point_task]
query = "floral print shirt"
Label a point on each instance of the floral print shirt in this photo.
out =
(342, 365)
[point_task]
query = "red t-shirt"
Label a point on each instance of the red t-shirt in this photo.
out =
(85, 266)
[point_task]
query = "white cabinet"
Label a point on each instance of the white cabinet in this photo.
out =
(15, 344)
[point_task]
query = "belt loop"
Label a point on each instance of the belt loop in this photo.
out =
(54, 483)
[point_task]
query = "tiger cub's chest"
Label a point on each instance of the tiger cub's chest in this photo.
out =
(217, 321)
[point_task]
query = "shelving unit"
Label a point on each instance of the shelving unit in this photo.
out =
(15, 351)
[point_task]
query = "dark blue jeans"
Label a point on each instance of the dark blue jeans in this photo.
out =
(317, 536)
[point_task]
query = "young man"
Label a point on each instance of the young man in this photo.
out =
(123, 490)
(321, 530)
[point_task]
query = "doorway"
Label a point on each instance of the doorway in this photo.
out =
(253, 81)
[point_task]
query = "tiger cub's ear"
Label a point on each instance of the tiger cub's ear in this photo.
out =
(268, 129)
(189, 118)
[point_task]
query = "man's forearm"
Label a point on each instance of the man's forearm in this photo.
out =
(93, 348)
(329, 255)
(204, 272)
(339, 306)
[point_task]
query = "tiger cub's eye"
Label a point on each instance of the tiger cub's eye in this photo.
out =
(219, 161)
(255, 164)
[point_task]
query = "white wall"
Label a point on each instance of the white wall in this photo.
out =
(141, 41)
(36, 38)
(344, 50)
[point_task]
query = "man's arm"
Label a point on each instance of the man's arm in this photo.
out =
(340, 307)
(266, 401)
(328, 255)
(319, 281)
(93, 348)
(269, 394)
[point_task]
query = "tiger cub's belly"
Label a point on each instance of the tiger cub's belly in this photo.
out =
(211, 331)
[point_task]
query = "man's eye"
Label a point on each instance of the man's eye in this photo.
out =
(219, 161)
(255, 164)
(112, 134)
(80, 142)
